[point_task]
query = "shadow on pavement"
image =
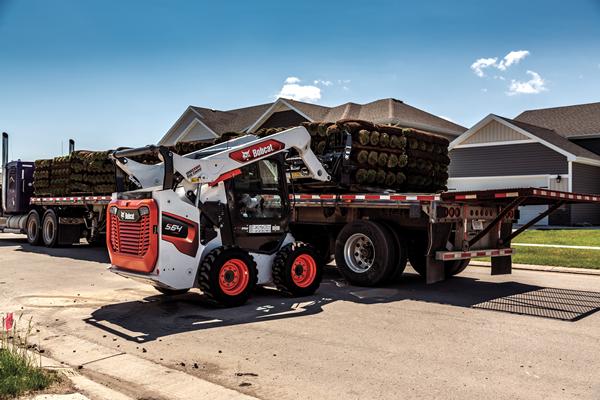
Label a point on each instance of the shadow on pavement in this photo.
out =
(81, 252)
(159, 316)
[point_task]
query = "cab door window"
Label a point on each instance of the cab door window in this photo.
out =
(258, 192)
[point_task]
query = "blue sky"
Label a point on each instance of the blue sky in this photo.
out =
(116, 73)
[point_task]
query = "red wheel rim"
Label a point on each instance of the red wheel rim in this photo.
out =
(234, 277)
(304, 270)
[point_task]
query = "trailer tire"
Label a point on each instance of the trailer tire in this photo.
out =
(228, 276)
(50, 229)
(33, 226)
(402, 252)
(365, 253)
(171, 292)
(416, 255)
(297, 270)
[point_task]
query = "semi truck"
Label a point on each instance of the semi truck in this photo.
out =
(49, 221)
(227, 218)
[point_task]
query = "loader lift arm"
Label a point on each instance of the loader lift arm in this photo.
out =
(219, 166)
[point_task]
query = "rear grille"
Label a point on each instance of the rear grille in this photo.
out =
(131, 238)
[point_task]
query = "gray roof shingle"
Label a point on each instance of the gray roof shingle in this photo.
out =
(384, 111)
(570, 121)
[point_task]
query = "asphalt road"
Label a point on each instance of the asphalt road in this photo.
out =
(530, 335)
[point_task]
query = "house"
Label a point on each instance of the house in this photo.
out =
(198, 123)
(556, 148)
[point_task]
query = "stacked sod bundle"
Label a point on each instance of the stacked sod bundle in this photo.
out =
(41, 177)
(81, 172)
(385, 157)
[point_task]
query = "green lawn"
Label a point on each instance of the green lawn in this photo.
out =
(583, 237)
(557, 256)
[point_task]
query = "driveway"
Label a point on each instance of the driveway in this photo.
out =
(530, 335)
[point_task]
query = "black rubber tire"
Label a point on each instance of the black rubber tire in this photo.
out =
(401, 252)
(33, 227)
(416, 256)
(283, 269)
(385, 253)
(171, 292)
(455, 267)
(210, 268)
(50, 232)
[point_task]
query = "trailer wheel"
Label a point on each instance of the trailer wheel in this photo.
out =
(171, 292)
(455, 267)
(365, 253)
(34, 232)
(416, 255)
(402, 252)
(228, 275)
(297, 270)
(50, 229)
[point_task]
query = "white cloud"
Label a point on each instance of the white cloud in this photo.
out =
(322, 82)
(484, 90)
(533, 86)
(292, 80)
(481, 64)
(512, 58)
(293, 90)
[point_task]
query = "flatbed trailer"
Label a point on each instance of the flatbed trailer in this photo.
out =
(60, 221)
(437, 233)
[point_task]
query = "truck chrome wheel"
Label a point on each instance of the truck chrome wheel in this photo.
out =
(359, 253)
(49, 230)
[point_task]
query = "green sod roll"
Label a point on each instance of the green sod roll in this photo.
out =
(382, 159)
(371, 175)
(332, 130)
(392, 161)
(374, 138)
(400, 178)
(321, 147)
(361, 176)
(413, 143)
(402, 161)
(380, 177)
(363, 137)
(362, 157)
(384, 140)
(373, 158)
(390, 179)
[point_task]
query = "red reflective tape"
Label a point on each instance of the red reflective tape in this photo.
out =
(328, 196)
(448, 256)
(347, 197)
(495, 252)
(425, 198)
(465, 254)
(372, 197)
(482, 253)
(305, 197)
(397, 197)
(500, 195)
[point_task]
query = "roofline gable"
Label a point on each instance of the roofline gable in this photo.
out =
(271, 110)
(492, 117)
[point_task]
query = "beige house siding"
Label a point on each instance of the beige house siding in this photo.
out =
(494, 132)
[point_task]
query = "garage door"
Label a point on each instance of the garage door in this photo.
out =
(505, 182)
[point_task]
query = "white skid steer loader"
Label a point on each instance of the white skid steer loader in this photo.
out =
(216, 219)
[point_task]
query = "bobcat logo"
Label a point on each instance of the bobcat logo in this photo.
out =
(245, 154)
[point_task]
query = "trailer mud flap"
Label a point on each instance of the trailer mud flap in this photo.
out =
(438, 237)
(503, 265)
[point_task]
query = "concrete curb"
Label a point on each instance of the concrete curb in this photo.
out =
(130, 376)
(544, 268)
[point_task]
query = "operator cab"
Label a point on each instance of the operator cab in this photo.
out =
(258, 205)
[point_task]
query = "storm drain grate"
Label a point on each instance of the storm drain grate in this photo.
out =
(561, 304)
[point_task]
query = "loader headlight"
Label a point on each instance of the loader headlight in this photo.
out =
(144, 211)
(113, 210)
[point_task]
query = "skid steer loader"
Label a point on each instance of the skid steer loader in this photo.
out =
(216, 219)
